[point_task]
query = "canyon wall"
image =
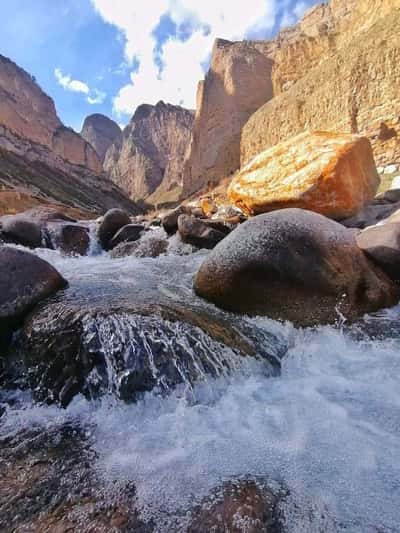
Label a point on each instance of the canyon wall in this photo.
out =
(337, 70)
(147, 160)
(40, 157)
(100, 132)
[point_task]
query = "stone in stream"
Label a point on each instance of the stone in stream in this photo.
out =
(170, 220)
(128, 233)
(196, 232)
(294, 265)
(382, 244)
(149, 247)
(127, 348)
(71, 238)
(48, 484)
(25, 280)
(112, 221)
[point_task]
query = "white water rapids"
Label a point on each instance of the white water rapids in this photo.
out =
(328, 428)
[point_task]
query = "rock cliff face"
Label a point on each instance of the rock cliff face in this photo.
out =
(27, 112)
(101, 132)
(147, 160)
(338, 69)
(39, 156)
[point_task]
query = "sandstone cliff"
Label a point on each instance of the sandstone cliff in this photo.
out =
(147, 160)
(338, 69)
(101, 132)
(40, 156)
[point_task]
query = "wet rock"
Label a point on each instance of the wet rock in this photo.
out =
(128, 233)
(112, 221)
(70, 238)
(241, 507)
(149, 247)
(47, 484)
(198, 233)
(392, 196)
(221, 225)
(294, 265)
(25, 279)
(382, 245)
(170, 220)
(128, 349)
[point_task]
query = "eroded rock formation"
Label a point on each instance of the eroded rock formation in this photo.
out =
(337, 70)
(40, 156)
(101, 132)
(147, 160)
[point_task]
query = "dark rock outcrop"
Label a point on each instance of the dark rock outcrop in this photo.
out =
(113, 221)
(128, 233)
(20, 230)
(294, 265)
(194, 231)
(25, 279)
(100, 132)
(68, 237)
(170, 220)
(149, 247)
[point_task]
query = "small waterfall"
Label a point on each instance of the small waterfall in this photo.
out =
(95, 247)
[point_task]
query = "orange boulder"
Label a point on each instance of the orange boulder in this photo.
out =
(332, 174)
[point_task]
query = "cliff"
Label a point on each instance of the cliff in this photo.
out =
(335, 70)
(39, 156)
(147, 160)
(100, 132)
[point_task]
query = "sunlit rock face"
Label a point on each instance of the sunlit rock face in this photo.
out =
(30, 114)
(337, 70)
(101, 132)
(331, 174)
(147, 160)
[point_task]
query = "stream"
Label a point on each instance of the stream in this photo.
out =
(326, 426)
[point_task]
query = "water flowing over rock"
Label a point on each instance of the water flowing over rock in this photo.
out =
(294, 265)
(128, 233)
(38, 154)
(336, 70)
(147, 160)
(128, 349)
(100, 132)
(331, 174)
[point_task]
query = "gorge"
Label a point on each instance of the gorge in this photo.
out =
(199, 311)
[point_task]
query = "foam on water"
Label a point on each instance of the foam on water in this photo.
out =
(328, 428)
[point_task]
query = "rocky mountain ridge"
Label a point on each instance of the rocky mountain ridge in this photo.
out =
(147, 160)
(100, 132)
(41, 157)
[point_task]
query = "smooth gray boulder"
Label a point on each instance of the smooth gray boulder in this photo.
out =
(294, 265)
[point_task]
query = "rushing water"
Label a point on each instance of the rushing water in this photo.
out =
(328, 427)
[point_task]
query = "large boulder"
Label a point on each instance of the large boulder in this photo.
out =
(294, 265)
(112, 221)
(19, 230)
(328, 173)
(382, 244)
(25, 279)
(194, 231)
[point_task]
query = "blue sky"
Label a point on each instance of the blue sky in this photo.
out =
(108, 56)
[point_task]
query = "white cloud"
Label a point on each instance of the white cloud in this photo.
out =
(69, 84)
(93, 97)
(182, 61)
(97, 98)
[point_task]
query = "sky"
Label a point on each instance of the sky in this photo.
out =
(109, 56)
